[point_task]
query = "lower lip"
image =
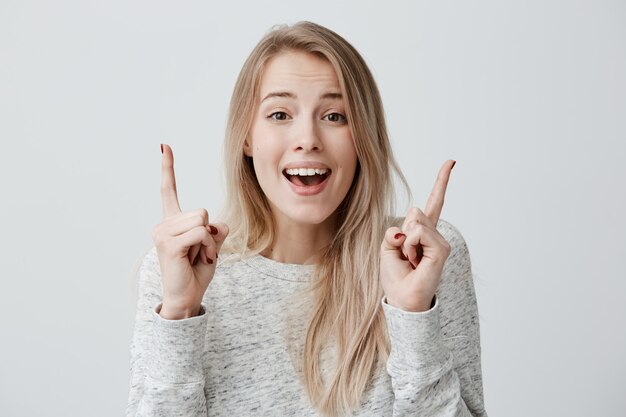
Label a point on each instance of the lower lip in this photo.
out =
(307, 190)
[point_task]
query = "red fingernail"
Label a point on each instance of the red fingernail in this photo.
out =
(161, 148)
(213, 230)
(398, 235)
(210, 261)
(453, 164)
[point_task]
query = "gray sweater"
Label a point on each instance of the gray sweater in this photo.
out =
(232, 359)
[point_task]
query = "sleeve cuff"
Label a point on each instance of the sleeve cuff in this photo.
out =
(415, 337)
(178, 347)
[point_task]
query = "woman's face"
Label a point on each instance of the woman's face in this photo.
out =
(300, 141)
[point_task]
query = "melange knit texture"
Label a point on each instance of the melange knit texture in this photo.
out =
(233, 360)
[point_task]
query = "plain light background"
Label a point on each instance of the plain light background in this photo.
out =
(529, 98)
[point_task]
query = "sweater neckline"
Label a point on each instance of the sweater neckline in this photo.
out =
(280, 270)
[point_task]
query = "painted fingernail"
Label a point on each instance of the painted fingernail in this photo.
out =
(212, 229)
(398, 235)
(210, 261)
(161, 148)
(453, 164)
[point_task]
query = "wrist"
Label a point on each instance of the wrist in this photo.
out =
(169, 312)
(416, 306)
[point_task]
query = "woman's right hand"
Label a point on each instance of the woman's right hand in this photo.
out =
(187, 247)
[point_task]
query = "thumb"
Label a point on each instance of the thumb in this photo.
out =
(220, 236)
(393, 240)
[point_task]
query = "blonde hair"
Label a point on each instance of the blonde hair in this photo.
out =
(345, 289)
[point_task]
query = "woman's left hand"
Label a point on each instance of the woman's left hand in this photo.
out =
(412, 258)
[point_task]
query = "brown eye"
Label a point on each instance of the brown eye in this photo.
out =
(336, 117)
(279, 115)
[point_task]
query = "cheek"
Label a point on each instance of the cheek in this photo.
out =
(347, 154)
(266, 157)
(266, 152)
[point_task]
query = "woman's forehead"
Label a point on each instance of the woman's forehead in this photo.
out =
(293, 71)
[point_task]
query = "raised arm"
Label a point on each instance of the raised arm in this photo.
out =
(431, 314)
(435, 363)
(167, 372)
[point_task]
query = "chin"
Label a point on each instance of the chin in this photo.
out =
(308, 216)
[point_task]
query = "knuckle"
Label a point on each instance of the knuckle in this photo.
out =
(205, 233)
(199, 220)
(203, 213)
(202, 234)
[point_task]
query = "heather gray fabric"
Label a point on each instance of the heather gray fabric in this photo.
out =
(232, 360)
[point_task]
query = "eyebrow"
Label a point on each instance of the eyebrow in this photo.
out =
(325, 96)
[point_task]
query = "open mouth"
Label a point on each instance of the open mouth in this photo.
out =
(304, 177)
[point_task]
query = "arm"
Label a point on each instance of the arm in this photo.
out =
(435, 355)
(166, 367)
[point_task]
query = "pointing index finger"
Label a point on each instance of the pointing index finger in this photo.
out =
(436, 199)
(168, 183)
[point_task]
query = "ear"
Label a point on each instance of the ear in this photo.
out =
(247, 149)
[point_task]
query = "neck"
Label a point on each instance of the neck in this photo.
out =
(297, 243)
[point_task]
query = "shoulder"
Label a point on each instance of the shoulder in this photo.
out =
(458, 262)
(148, 270)
(456, 288)
(150, 259)
(452, 235)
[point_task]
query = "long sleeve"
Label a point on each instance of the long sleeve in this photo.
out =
(434, 362)
(166, 365)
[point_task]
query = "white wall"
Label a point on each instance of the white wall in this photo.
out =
(529, 97)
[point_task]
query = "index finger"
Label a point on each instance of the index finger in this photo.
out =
(435, 201)
(168, 183)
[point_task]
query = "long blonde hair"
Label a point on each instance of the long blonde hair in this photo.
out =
(345, 289)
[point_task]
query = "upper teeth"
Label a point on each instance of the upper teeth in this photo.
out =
(306, 171)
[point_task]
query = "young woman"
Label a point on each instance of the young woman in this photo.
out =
(320, 302)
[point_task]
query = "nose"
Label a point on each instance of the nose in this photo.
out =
(308, 137)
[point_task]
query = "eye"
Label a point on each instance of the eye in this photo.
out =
(336, 117)
(278, 115)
